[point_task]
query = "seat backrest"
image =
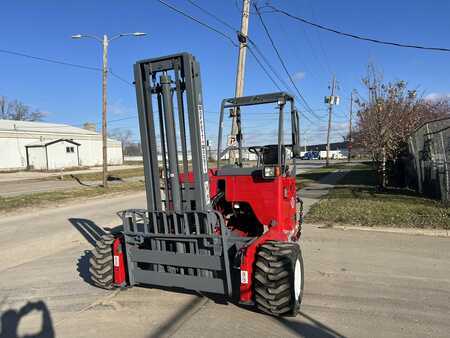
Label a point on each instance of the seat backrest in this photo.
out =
(270, 154)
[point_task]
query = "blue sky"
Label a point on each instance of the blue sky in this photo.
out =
(69, 95)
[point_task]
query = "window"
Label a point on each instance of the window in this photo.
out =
(70, 149)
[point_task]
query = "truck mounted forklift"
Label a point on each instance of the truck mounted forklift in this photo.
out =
(231, 230)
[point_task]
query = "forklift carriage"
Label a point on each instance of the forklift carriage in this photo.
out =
(232, 230)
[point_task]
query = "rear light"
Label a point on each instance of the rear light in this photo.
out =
(271, 172)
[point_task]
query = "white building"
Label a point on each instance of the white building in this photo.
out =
(49, 146)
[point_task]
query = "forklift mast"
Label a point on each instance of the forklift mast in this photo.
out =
(178, 241)
(157, 82)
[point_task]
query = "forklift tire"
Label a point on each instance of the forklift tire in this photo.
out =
(279, 278)
(101, 264)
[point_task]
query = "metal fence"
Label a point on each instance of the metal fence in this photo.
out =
(429, 148)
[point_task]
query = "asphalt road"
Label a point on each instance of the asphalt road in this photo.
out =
(23, 175)
(18, 188)
(357, 284)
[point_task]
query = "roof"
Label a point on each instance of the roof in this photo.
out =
(56, 130)
(28, 126)
(47, 143)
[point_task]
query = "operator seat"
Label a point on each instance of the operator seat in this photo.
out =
(270, 154)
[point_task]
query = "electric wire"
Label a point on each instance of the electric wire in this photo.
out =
(358, 37)
(251, 51)
(264, 68)
(63, 63)
(319, 37)
(120, 78)
(229, 38)
(223, 22)
(309, 109)
(198, 21)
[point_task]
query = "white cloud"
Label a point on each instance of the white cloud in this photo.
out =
(298, 76)
(117, 108)
(437, 96)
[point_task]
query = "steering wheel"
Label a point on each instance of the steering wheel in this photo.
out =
(257, 150)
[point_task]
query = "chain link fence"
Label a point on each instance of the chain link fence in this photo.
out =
(429, 162)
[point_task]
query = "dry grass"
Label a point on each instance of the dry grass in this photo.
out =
(8, 204)
(356, 201)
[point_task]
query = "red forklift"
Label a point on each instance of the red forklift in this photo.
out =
(231, 230)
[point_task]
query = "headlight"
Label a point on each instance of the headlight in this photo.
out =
(271, 172)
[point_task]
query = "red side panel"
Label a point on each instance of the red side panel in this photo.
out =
(119, 263)
(248, 261)
(273, 203)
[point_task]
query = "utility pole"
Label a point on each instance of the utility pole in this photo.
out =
(104, 130)
(105, 43)
(331, 100)
(350, 140)
(239, 91)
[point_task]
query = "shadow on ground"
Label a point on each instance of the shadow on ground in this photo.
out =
(174, 323)
(91, 232)
(10, 321)
(315, 329)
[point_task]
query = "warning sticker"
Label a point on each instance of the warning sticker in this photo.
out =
(116, 261)
(206, 185)
(244, 277)
(202, 139)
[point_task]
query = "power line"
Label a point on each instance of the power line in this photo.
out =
(228, 37)
(62, 63)
(327, 63)
(268, 64)
(359, 37)
(120, 78)
(283, 63)
(234, 44)
(198, 21)
(223, 22)
(248, 38)
(263, 68)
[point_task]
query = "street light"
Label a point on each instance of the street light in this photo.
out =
(105, 42)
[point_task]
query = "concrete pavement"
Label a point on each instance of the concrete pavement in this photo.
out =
(357, 284)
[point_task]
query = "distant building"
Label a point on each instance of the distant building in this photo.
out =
(323, 147)
(50, 146)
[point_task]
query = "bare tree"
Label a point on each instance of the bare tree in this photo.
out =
(387, 117)
(16, 110)
(123, 135)
(3, 107)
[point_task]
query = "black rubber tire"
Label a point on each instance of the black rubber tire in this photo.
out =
(101, 264)
(274, 278)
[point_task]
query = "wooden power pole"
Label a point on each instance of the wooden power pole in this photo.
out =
(240, 75)
(104, 130)
(331, 100)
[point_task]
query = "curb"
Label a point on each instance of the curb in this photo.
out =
(404, 231)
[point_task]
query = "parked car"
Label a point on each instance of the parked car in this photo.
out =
(310, 155)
